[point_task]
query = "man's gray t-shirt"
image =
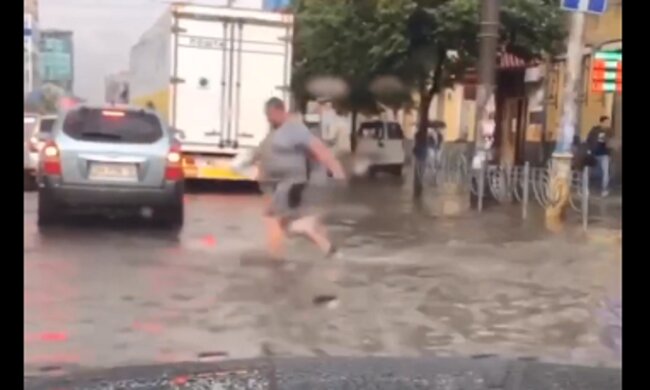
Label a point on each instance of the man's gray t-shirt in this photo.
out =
(285, 155)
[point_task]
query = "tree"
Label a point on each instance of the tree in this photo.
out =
(347, 39)
(45, 99)
(360, 39)
(529, 29)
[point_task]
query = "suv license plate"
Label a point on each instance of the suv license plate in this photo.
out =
(122, 172)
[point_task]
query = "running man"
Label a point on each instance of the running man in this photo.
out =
(286, 157)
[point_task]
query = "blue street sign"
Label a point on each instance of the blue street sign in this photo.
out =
(275, 5)
(591, 6)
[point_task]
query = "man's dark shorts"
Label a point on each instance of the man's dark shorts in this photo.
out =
(287, 199)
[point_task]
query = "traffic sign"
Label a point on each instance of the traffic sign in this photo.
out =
(607, 71)
(27, 25)
(591, 6)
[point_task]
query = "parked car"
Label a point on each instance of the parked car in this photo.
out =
(36, 131)
(381, 143)
(108, 159)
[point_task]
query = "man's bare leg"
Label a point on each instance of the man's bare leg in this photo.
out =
(275, 231)
(276, 236)
(311, 227)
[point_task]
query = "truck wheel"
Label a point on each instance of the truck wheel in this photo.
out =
(49, 212)
(173, 215)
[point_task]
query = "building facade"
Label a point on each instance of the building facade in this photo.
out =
(31, 79)
(31, 7)
(530, 98)
(601, 33)
(275, 5)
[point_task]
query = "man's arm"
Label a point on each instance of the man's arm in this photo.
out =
(247, 161)
(322, 153)
(314, 146)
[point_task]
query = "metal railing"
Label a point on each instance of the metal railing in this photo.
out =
(448, 167)
(505, 184)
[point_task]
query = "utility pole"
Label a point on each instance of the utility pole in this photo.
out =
(560, 174)
(573, 71)
(485, 101)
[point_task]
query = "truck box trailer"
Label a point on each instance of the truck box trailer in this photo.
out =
(208, 72)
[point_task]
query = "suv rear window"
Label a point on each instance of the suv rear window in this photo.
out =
(46, 126)
(133, 127)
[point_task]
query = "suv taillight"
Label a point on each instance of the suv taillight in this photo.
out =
(51, 159)
(174, 169)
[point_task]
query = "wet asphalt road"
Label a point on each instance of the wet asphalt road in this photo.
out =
(101, 293)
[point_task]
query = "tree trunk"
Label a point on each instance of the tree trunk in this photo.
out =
(353, 132)
(426, 96)
(420, 141)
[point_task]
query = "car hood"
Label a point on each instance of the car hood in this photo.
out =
(481, 372)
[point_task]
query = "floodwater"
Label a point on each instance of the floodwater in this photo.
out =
(101, 293)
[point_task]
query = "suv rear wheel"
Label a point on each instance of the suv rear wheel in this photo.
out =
(29, 181)
(173, 215)
(49, 212)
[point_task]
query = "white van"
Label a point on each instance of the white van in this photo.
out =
(381, 143)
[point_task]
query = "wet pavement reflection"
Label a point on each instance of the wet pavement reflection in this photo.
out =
(111, 293)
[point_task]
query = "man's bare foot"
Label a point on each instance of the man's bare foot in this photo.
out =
(333, 252)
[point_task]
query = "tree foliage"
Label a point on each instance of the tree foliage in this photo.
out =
(44, 100)
(358, 40)
(353, 40)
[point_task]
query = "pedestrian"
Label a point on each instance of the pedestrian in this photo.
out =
(597, 142)
(427, 155)
(435, 139)
(285, 159)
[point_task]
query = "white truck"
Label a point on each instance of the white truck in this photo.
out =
(208, 72)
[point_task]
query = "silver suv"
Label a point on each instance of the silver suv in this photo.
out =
(107, 158)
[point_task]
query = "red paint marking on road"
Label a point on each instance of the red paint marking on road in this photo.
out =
(175, 249)
(148, 327)
(46, 337)
(59, 358)
(209, 240)
(53, 336)
(167, 358)
(58, 267)
(180, 380)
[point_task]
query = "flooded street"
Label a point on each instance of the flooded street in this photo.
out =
(116, 293)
